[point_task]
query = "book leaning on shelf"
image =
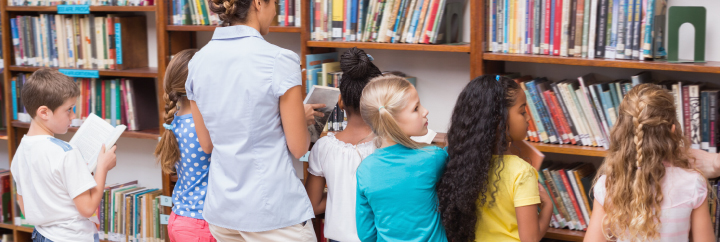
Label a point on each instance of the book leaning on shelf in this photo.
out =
(387, 21)
(117, 101)
(82, 2)
(91, 41)
(611, 29)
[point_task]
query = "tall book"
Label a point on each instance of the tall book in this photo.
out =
(694, 100)
(601, 29)
(131, 34)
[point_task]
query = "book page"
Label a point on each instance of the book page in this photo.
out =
(90, 138)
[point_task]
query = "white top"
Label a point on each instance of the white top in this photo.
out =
(683, 190)
(338, 161)
(49, 173)
(236, 81)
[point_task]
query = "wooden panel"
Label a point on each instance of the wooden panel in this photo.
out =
(24, 229)
(477, 23)
(389, 46)
(7, 226)
(92, 9)
(708, 67)
(140, 134)
(570, 149)
(147, 72)
(565, 234)
(273, 29)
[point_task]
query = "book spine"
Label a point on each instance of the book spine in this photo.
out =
(579, 27)
(647, 50)
(566, 199)
(578, 197)
(536, 115)
(704, 120)
(592, 32)
(601, 29)
(582, 133)
(572, 28)
(540, 106)
(571, 195)
(112, 51)
(583, 194)
(596, 108)
(557, 27)
(558, 199)
(629, 28)
(621, 25)
(547, 23)
(613, 10)
(637, 12)
(686, 113)
(13, 89)
(589, 117)
(565, 116)
(677, 91)
(537, 26)
(558, 221)
(607, 106)
(564, 133)
(713, 119)
(695, 116)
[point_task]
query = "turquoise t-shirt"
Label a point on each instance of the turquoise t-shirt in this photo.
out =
(396, 197)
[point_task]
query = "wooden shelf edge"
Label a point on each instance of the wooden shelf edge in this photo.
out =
(708, 67)
(565, 234)
(24, 229)
(92, 8)
(390, 46)
(7, 226)
(144, 72)
(570, 149)
(139, 134)
(194, 28)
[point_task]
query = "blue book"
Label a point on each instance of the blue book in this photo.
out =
(53, 41)
(137, 210)
(311, 79)
(316, 60)
(505, 27)
(414, 23)
(536, 117)
(544, 115)
(353, 20)
(493, 25)
(614, 97)
(606, 104)
(312, 20)
(281, 16)
(704, 120)
(113, 102)
(16, 40)
(401, 15)
(14, 100)
(647, 41)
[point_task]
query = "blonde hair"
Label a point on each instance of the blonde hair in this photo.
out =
(639, 143)
(167, 151)
(381, 100)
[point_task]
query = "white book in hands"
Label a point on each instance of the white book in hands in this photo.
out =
(321, 95)
(91, 136)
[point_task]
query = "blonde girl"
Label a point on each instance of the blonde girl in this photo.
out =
(396, 198)
(646, 189)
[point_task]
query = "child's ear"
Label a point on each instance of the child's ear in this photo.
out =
(340, 103)
(43, 112)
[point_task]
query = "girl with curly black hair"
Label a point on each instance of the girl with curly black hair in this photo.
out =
(486, 193)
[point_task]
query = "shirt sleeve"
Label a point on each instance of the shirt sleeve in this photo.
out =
(286, 72)
(189, 83)
(599, 190)
(364, 216)
(701, 191)
(76, 176)
(526, 187)
(317, 156)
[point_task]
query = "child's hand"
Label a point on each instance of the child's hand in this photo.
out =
(310, 113)
(545, 200)
(106, 160)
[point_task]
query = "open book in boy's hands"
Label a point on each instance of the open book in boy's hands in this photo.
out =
(91, 135)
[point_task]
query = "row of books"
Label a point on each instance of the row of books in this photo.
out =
(129, 212)
(80, 41)
(386, 21)
(613, 29)
(5, 197)
(569, 186)
(324, 70)
(193, 12)
(118, 101)
(81, 2)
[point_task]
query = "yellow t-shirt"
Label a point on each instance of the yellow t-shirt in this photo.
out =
(517, 187)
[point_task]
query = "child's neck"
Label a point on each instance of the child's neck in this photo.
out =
(183, 106)
(356, 131)
(38, 128)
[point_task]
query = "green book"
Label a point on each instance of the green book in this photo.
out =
(98, 97)
(118, 101)
(204, 10)
(108, 100)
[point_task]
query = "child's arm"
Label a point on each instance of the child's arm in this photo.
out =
(594, 231)
(531, 225)
(202, 133)
(21, 203)
(88, 201)
(701, 226)
(364, 218)
(315, 187)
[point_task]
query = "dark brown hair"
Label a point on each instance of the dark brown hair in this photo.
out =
(47, 87)
(231, 11)
(167, 151)
(357, 69)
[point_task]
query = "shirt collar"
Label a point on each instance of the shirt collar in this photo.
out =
(236, 31)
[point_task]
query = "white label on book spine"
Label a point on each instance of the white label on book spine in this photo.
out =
(164, 219)
(165, 201)
(337, 32)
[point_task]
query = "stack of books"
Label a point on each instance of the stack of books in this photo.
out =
(385, 21)
(129, 212)
(118, 101)
(612, 29)
(80, 41)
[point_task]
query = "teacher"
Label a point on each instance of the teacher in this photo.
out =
(246, 101)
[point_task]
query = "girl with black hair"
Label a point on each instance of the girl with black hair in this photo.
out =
(486, 193)
(334, 159)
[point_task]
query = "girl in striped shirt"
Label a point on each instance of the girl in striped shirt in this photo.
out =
(646, 189)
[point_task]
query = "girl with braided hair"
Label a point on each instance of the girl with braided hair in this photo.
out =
(246, 100)
(179, 151)
(646, 189)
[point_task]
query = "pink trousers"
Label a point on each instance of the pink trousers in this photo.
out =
(186, 229)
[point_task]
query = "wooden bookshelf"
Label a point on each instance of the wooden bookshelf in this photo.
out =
(144, 72)
(565, 234)
(208, 28)
(139, 134)
(92, 8)
(707, 67)
(390, 46)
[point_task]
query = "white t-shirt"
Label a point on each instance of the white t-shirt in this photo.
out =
(338, 161)
(49, 173)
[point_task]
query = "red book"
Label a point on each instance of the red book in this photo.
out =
(562, 117)
(562, 131)
(111, 41)
(124, 105)
(287, 12)
(546, 29)
(557, 30)
(530, 26)
(433, 14)
(531, 126)
(571, 194)
(102, 95)
(318, 20)
(686, 112)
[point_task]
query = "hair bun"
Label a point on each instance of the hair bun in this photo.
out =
(356, 64)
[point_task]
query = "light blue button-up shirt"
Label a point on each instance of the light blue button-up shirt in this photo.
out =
(236, 81)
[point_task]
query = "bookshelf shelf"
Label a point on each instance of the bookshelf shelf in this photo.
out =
(708, 67)
(565, 234)
(570, 149)
(92, 8)
(465, 48)
(194, 28)
(24, 229)
(140, 134)
(3, 136)
(7, 226)
(144, 72)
